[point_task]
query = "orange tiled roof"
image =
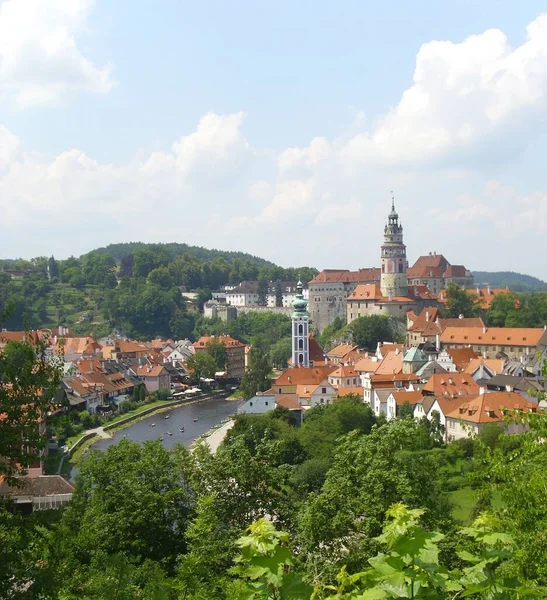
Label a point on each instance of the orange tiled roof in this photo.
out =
(344, 371)
(451, 385)
(148, 370)
(391, 364)
(367, 364)
(494, 336)
(347, 276)
(461, 357)
(226, 340)
(425, 272)
(341, 350)
(129, 346)
(489, 408)
(494, 364)
(289, 401)
(412, 397)
(304, 375)
(431, 260)
(350, 391)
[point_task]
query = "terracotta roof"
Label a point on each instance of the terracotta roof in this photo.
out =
(461, 357)
(402, 397)
(349, 391)
(344, 371)
(489, 408)
(341, 350)
(129, 346)
(148, 370)
(304, 375)
(456, 271)
(426, 317)
(431, 260)
(315, 351)
(451, 385)
(391, 364)
(446, 405)
(289, 401)
(494, 336)
(494, 364)
(367, 364)
(18, 336)
(425, 272)
(226, 340)
(346, 276)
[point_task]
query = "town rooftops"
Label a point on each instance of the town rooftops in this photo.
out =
(344, 371)
(346, 276)
(495, 365)
(226, 340)
(304, 375)
(491, 407)
(372, 292)
(367, 364)
(350, 391)
(451, 385)
(495, 336)
(412, 397)
(341, 350)
(431, 260)
(461, 357)
(129, 347)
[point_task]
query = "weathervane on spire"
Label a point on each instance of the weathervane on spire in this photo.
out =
(392, 201)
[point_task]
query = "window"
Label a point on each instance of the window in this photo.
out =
(300, 344)
(250, 403)
(266, 403)
(323, 390)
(300, 358)
(300, 329)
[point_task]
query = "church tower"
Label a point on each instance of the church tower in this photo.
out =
(393, 279)
(300, 341)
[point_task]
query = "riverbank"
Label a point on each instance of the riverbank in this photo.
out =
(217, 436)
(188, 421)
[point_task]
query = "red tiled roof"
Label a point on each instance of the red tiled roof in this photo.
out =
(451, 385)
(489, 408)
(226, 340)
(493, 336)
(304, 375)
(347, 276)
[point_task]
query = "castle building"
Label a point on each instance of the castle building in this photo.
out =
(300, 322)
(392, 289)
(393, 280)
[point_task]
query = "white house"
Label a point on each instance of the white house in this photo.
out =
(257, 405)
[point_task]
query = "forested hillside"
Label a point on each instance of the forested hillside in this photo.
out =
(515, 281)
(134, 289)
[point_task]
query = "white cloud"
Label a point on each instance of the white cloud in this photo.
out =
(39, 58)
(462, 94)
(9, 146)
(334, 213)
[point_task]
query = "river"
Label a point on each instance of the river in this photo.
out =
(207, 412)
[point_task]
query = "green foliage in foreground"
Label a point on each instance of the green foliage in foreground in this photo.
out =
(344, 506)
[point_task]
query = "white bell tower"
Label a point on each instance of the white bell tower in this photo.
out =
(300, 323)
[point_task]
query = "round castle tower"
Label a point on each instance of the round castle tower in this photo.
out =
(393, 279)
(300, 323)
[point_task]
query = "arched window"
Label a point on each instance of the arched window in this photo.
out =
(301, 343)
(383, 268)
(300, 358)
(400, 266)
(301, 329)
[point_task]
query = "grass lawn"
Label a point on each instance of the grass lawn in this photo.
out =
(137, 411)
(464, 502)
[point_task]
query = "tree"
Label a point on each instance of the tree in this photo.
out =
(160, 276)
(278, 294)
(202, 364)
(406, 410)
(126, 265)
(280, 353)
(502, 305)
(141, 510)
(218, 351)
(460, 302)
(368, 331)
(142, 393)
(53, 268)
(28, 384)
(262, 292)
(257, 376)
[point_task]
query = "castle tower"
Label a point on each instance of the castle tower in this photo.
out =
(300, 341)
(393, 279)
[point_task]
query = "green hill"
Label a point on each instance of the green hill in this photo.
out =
(516, 281)
(118, 251)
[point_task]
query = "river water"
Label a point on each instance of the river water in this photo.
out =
(207, 412)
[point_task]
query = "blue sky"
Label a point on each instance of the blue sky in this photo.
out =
(275, 128)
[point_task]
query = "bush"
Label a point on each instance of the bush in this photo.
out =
(127, 405)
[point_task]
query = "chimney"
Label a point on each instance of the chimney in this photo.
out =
(478, 291)
(438, 342)
(324, 276)
(488, 289)
(484, 328)
(396, 351)
(481, 391)
(508, 388)
(460, 316)
(427, 315)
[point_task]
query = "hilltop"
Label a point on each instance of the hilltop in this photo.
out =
(516, 281)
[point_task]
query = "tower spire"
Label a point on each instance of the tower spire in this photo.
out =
(392, 201)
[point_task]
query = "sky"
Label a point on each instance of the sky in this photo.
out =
(276, 128)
